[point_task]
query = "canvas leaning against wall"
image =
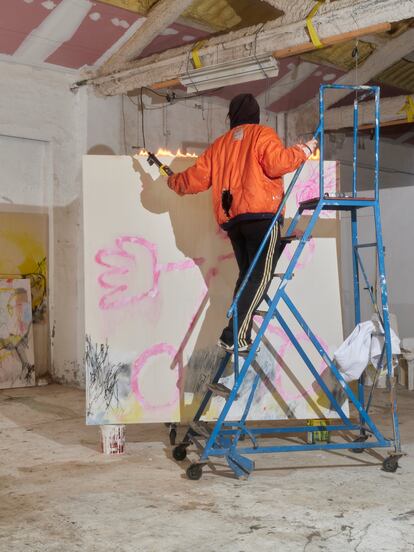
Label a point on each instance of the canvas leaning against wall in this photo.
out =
(24, 254)
(16, 334)
(159, 277)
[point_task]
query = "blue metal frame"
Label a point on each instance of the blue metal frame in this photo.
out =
(225, 436)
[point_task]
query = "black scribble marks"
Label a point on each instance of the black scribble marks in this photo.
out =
(103, 377)
(201, 369)
(38, 286)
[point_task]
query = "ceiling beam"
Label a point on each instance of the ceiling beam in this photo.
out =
(160, 16)
(332, 19)
(303, 121)
(58, 27)
(342, 117)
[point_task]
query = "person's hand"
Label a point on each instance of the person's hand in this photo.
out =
(309, 147)
(312, 144)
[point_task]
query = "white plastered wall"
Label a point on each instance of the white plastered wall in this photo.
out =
(397, 199)
(37, 103)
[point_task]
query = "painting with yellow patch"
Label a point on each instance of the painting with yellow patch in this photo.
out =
(16, 334)
(24, 244)
(24, 238)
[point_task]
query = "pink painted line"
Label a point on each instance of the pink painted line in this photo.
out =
(226, 257)
(309, 189)
(155, 350)
(121, 269)
(307, 254)
(183, 265)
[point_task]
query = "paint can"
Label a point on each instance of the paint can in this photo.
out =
(112, 439)
(318, 436)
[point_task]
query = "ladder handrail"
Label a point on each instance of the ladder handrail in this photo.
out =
(267, 235)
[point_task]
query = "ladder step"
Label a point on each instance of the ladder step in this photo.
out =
(281, 275)
(200, 428)
(288, 239)
(373, 244)
(309, 204)
(219, 389)
(336, 203)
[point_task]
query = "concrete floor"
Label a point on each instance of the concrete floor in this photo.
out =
(58, 493)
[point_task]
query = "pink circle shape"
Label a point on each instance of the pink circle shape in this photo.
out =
(155, 350)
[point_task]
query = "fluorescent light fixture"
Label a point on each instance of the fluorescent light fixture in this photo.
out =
(232, 72)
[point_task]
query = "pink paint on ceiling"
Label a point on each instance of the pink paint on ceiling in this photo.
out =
(101, 28)
(19, 18)
(173, 36)
(307, 90)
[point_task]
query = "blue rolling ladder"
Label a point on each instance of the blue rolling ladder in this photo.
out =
(226, 438)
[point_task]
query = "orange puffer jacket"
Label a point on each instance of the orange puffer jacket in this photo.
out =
(250, 161)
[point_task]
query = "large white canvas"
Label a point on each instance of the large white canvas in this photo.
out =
(159, 276)
(16, 334)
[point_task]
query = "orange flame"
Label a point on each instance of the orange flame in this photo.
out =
(316, 155)
(167, 153)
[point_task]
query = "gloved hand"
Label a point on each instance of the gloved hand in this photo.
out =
(312, 144)
(309, 147)
(165, 170)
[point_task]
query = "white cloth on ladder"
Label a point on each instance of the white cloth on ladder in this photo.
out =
(360, 348)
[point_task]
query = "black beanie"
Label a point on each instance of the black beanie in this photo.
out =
(244, 109)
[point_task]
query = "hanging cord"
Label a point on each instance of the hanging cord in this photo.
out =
(267, 84)
(123, 124)
(254, 51)
(142, 118)
(355, 55)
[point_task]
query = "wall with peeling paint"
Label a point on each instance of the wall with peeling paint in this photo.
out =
(36, 104)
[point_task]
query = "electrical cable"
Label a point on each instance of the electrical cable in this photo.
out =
(355, 55)
(124, 123)
(142, 119)
(254, 51)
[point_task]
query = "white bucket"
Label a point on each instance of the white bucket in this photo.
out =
(112, 439)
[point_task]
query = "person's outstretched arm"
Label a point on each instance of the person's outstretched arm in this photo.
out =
(195, 179)
(275, 159)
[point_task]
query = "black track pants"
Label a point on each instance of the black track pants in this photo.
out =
(246, 238)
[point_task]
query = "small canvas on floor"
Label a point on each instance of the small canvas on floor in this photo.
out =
(159, 277)
(16, 334)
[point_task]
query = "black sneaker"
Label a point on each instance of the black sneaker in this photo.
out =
(243, 350)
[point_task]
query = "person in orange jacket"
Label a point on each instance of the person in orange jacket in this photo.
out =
(245, 167)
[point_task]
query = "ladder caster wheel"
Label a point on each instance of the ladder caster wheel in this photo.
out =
(173, 436)
(179, 452)
(194, 472)
(390, 464)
